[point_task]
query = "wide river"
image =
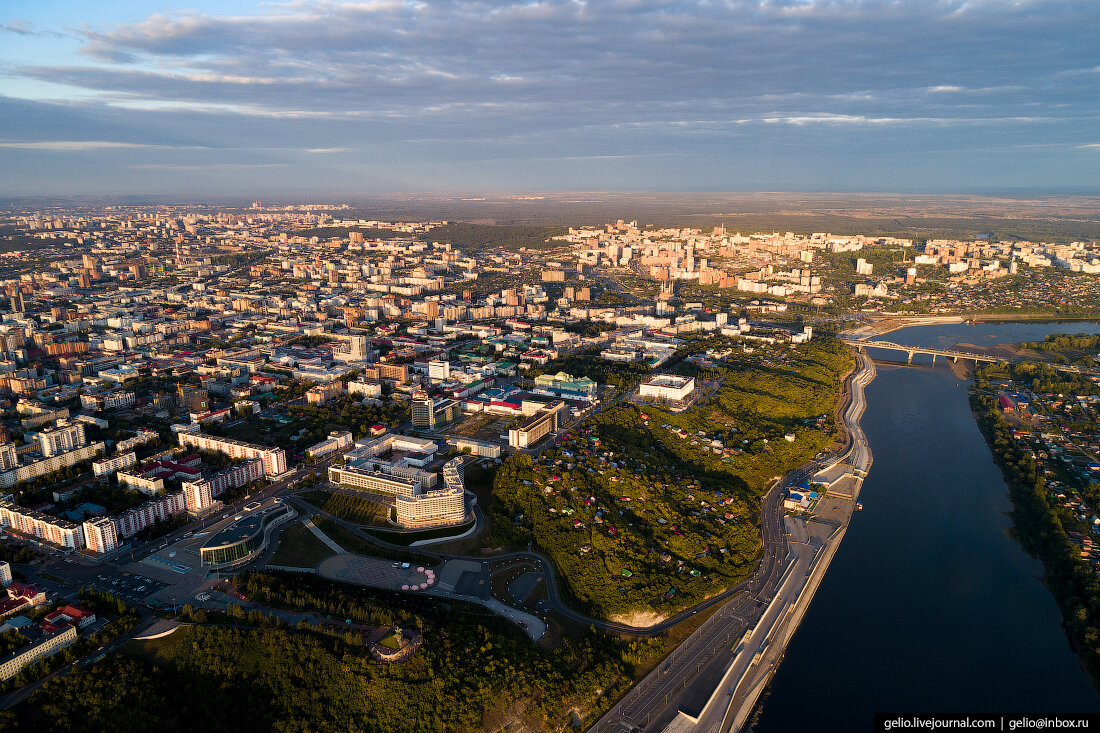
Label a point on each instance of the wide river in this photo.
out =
(929, 606)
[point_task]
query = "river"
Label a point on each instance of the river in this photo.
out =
(928, 605)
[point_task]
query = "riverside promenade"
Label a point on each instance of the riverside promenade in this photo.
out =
(812, 543)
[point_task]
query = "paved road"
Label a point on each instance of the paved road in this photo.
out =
(647, 706)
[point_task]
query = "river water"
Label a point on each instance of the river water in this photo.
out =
(928, 605)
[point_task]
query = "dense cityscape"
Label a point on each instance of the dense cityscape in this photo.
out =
(662, 366)
(212, 412)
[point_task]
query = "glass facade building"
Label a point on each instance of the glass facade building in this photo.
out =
(242, 540)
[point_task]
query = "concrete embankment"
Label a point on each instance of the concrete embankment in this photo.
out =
(813, 544)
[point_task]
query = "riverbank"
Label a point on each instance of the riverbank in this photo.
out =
(812, 544)
(886, 325)
(1039, 529)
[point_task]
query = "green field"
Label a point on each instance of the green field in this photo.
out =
(300, 548)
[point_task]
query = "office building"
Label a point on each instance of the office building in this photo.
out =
(667, 387)
(535, 428)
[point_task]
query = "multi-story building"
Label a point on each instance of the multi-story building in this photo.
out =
(397, 372)
(144, 435)
(200, 494)
(8, 457)
(337, 440)
(148, 484)
(99, 401)
(668, 387)
(130, 523)
(64, 437)
(439, 369)
(535, 428)
(423, 414)
(480, 448)
(192, 399)
(119, 462)
(323, 393)
(100, 534)
(27, 471)
(274, 458)
(5, 574)
(431, 508)
(365, 388)
(375, 482)
(565, 385)
(354, 348)
(43, 526)
(428, 413)
(45, 647)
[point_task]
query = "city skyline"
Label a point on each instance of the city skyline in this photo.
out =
(313, 97)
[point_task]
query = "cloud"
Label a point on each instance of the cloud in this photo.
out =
(71, 146)
(17, 26)
(444, 82)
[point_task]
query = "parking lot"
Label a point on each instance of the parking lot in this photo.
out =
(129, 587)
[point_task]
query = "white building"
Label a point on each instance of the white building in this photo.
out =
(66, 436)
(43, 526)
(337, 440)
(5, 574)
(32, 653)
(100, 534)
(439, 369)
(668, 387)
(274, 458)
(116, 463)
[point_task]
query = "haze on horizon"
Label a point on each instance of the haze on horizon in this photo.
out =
(318, 96)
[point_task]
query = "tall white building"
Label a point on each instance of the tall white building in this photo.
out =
(353, 349)
(100, 534)
(66, 436)
(5, 574)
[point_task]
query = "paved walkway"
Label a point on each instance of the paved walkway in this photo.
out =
(323, 537)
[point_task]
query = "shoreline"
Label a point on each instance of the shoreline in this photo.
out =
(812, 544)
(887, 325)
(862, 459)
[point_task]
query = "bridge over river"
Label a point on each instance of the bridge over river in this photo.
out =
(953, 354)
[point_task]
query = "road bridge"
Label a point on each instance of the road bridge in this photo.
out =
(953, 354)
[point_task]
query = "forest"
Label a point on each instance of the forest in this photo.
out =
(1079, 349)
(470, 672)
(476, 237)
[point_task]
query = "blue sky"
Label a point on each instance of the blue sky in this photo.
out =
(495, 96)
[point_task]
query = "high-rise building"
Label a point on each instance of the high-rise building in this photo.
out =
(354, 348)
(423, 414)
(100, 534)
(5, 574)
(66, 436)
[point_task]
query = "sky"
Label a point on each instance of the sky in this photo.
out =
(475, 96)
